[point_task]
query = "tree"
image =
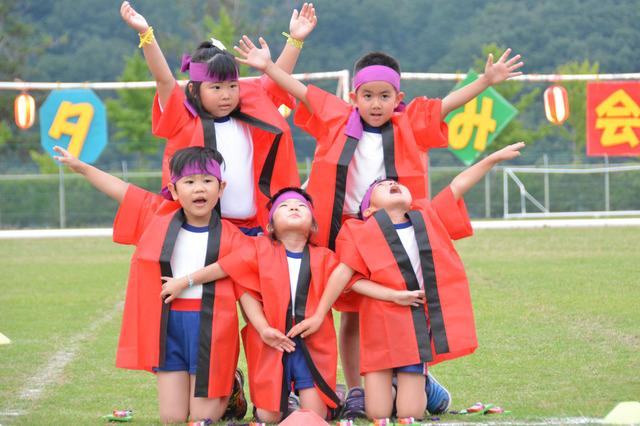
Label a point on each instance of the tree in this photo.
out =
(577, 91)
(522, 100)
(130, 112)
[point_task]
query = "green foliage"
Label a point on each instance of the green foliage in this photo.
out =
(522, 98)
(5, 133)
(46, 164)
(130, 112)
(222, 29)
(575, 127)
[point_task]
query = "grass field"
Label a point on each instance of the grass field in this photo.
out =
(556, 311)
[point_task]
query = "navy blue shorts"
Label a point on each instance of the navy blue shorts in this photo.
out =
(251, 232)
(181, 349)
(415, 368)
(296, 369)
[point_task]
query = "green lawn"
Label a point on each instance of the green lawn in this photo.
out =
(556, 311)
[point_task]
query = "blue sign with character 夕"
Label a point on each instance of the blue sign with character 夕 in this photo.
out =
(76, 120)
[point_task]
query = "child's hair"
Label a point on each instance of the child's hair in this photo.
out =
(376, 58)
(221, 64)
(275, 196)
(198, 155)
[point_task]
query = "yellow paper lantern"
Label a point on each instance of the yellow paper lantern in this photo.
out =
(556, 104)
(24, 108)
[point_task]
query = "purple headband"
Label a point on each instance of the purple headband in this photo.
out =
(366, 200)
(365, 75)
(199, 71)
(288, 196)
(212, 167)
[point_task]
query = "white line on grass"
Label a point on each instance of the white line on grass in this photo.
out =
(53, 369)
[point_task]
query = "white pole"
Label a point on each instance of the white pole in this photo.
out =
(61, 202)
(607, 200)
(487, 194)
(545, 158)
(505, 194)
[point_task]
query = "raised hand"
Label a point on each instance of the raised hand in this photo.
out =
(251, 55)
(503, 69)
(306, 327)
(303, 23)
(277, 340)
(68, 159)
(409, 298)
(507, 153)
(133, 18)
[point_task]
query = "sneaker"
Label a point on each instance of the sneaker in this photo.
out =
(237, 407)
(438, 397)
(354, 404)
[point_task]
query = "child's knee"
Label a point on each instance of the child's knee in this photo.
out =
(173, 417)
(266, 416)
(204, 408)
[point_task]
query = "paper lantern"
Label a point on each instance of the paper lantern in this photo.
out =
(556, 104)
(24, 109)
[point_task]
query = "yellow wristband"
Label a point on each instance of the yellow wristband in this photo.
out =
(293, 41)
(146, 38)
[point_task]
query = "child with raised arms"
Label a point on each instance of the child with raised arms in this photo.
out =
(374, 136)
(191, 342)
(238, 118)
(405, 244)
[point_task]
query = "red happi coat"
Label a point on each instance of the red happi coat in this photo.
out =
(406, 140)
(151, 223)
(261, 269)
(392, 335)
(274, 159)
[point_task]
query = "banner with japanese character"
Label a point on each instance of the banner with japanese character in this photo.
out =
(474, 126)
(613, 118)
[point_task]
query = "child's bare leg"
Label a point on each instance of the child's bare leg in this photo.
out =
(411, 398)
(310, 399)
(350, 348)
(378, 401)
(268, 416)
(205, 408)
(173, 396)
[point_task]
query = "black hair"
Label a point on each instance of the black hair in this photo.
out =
(375, 182)
(376, 58)
(221, 64)
(198, 155)
(275, 196)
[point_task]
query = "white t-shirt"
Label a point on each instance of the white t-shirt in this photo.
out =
(233, 139)
(366, 166)
(189, 255)
(408, 238)
(294, 260)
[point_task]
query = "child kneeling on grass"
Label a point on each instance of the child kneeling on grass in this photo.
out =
(191, 341)
(405, 244)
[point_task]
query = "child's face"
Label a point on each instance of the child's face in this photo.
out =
(376, 101)
(292, 215)
(389, 194)
(220, 98)
(198, 195)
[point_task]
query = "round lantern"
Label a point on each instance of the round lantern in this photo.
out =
(24, 108)
(556, 104)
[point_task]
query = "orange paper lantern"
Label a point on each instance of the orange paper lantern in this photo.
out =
(556, 104)
(24, 108)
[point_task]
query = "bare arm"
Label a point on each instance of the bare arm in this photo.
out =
(380, 292)
(172, 287)
(271, 336)
(334, 288)
(260, 59)
(300, 26)
(493, 74)
(152, 53)
(472, 175)
(112, 186)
